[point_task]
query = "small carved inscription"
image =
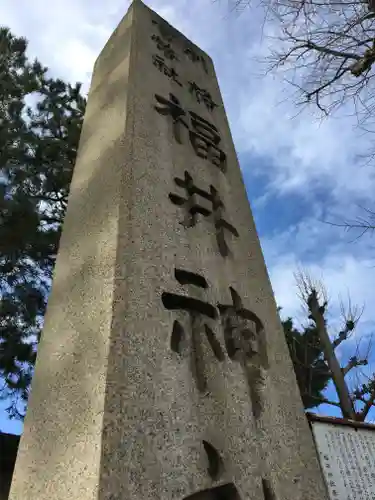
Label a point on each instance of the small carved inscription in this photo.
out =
(206, 203)
(193, 56)
(168, 33)
(204, 136)
(165, 47)
(159, 62)
(202, 96)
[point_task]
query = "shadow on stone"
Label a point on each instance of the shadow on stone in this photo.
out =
(8, 446)
(223, 492)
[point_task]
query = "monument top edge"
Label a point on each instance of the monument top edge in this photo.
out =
(160, 18)
(135, 4)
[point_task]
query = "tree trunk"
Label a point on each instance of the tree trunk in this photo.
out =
(346, 403)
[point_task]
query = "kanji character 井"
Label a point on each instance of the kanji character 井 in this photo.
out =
(205, 203)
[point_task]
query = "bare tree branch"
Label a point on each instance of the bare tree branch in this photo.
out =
(326, 49)
(354, 362)
(324, 400)
(368, 404)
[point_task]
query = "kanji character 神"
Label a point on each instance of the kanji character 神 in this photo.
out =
(245, 342)
(196, 309)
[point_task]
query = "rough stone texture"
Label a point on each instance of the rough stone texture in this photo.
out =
(114, 413)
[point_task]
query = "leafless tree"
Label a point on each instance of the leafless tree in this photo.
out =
(356, 394)
(327, 50)
(328, 46)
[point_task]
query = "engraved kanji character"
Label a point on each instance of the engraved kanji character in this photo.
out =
(241, 337)
(202, 95)
(173, 108)
(223, 492)
(159, 62)
(195, 308)
(166, 31)
(245, 342)
(193, 56)
(220, 223)
(165, 47)
(205, 203)
(205, 138)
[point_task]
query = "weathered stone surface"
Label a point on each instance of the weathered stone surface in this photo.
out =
(133, 398)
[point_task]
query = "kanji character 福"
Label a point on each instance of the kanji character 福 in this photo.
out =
(172, 108)
(205, 138)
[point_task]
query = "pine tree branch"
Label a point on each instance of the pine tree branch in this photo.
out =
(323, 400)
(51, 220)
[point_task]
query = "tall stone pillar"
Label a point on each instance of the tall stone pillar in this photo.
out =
(163, 371)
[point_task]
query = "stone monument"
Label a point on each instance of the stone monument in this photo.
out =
(162, 371)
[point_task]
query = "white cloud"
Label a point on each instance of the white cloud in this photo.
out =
(302, 151)
(344, 271)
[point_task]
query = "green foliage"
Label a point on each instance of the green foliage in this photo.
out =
(312, 372)
(40, 124)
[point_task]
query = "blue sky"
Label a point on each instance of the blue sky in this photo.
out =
(298, 169)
